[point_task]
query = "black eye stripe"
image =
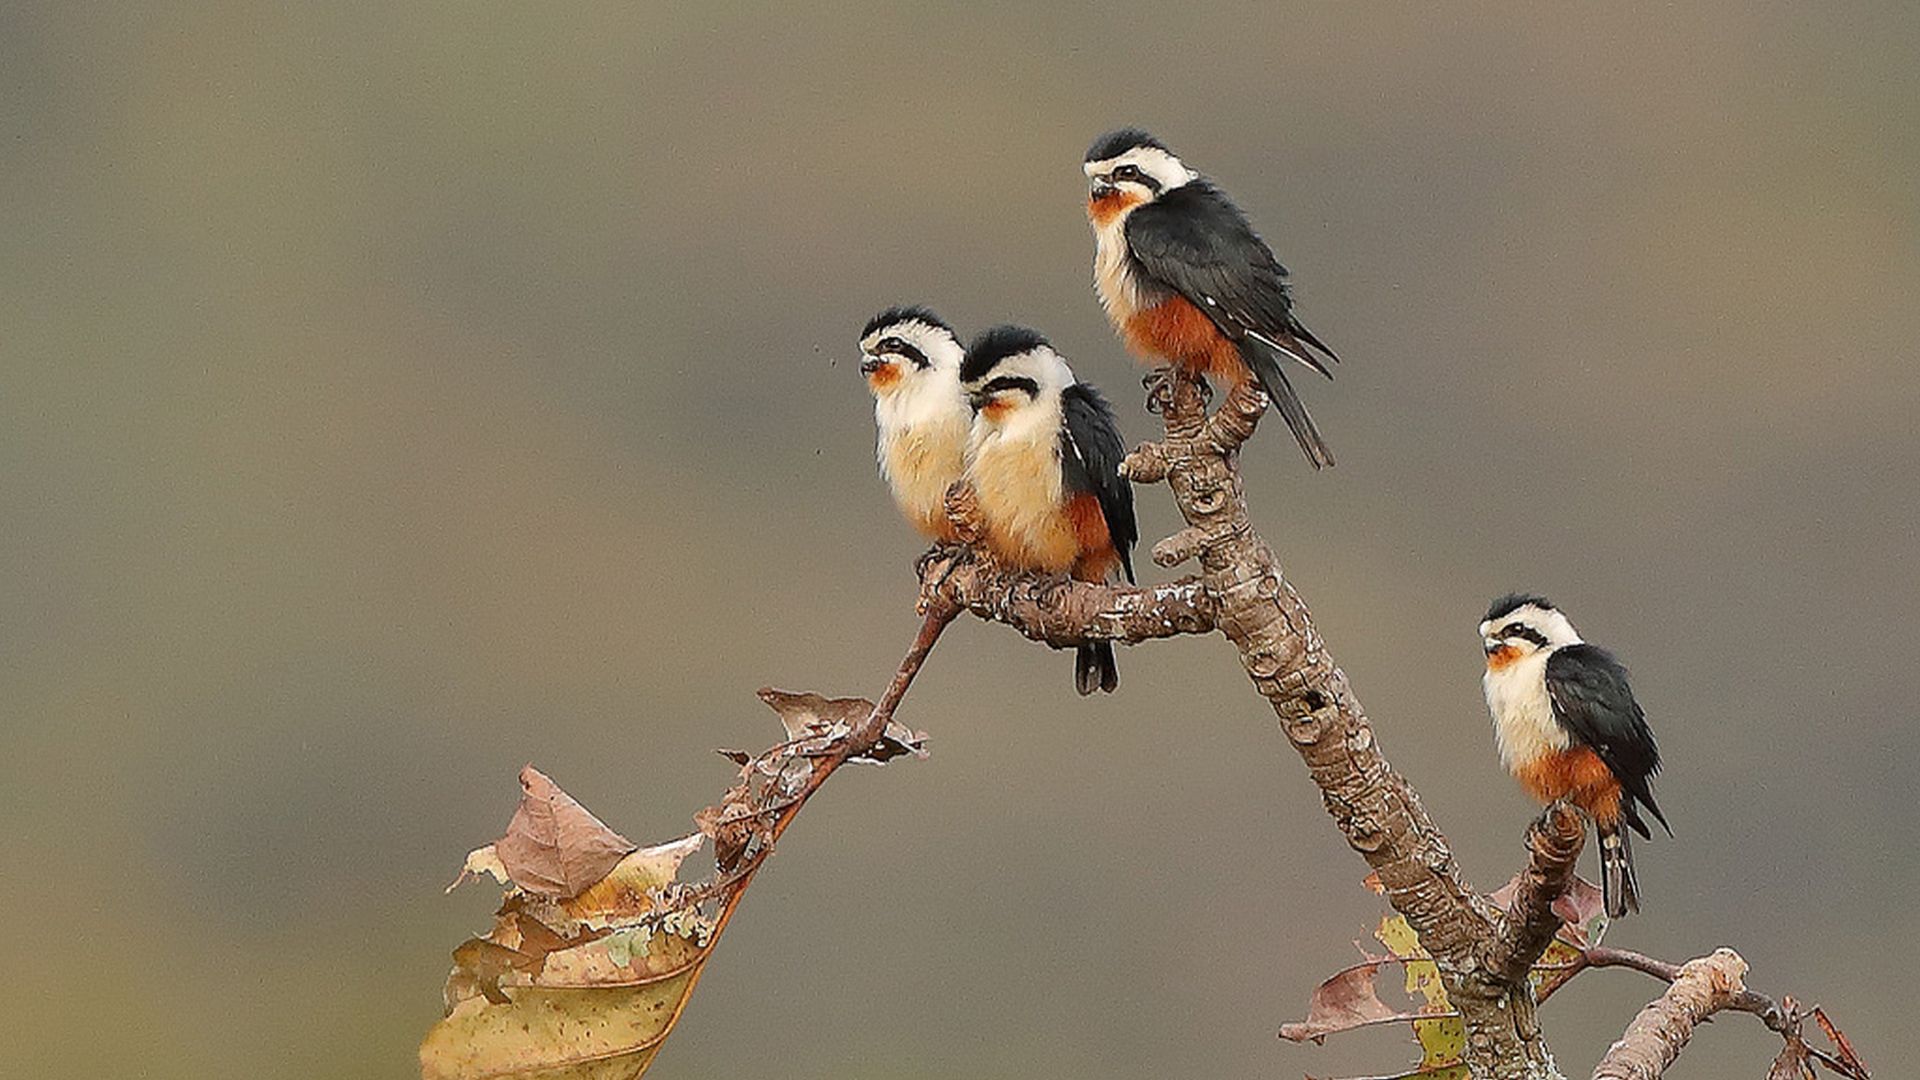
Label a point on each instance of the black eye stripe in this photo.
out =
(1138, 176)
(1012, 382)
(1524, 632)
(900, 347)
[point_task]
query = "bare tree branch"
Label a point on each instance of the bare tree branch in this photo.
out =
(1062, 612)
(1554, 841)
(1655, 1038)
(1242, 592)
(1484, 956)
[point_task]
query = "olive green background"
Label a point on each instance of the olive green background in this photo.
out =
(393, 396)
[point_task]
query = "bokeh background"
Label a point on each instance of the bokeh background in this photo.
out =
(393, 397)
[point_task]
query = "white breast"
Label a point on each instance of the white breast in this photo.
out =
(922, 447)
(1523, 723)
(1113, 274)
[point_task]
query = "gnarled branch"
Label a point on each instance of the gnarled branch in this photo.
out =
(1653, 1041)
(1242, 592)
(1062, 612)
(1554, 841)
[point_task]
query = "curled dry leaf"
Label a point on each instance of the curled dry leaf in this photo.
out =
(597, 945)
(1350, 999)
(571, 986)
(1342, 1003)
(553, 846)
(1794, 1062)
(1844, 1060)
(812, 720)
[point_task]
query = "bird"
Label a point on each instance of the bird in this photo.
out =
(1184, 278)
(911, 360)
(1568, 727)
(1043, 458)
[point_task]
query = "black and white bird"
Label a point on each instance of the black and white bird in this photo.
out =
(1186, 280)
(1568, 727)
(912, 363)
(1044, 460)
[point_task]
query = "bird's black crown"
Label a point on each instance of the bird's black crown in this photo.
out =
(992, 346)
(1115, 143)
(1513, 602)
(905, 313)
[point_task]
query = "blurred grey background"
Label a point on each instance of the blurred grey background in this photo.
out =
(392, 397)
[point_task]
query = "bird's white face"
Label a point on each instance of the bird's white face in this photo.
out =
(1021, 390)
(910, 358)
(1522, 632)
(1118, 184)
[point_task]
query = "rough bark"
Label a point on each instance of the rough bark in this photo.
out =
(1654, 1040)
(1243, 593)
(1553, 847)
(1484, 955)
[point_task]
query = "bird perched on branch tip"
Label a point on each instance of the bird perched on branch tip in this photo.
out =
(1568, 727)
(1185, 279)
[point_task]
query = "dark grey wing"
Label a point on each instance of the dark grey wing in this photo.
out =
(1592, 698)
(1195, 241)
(1090, 457)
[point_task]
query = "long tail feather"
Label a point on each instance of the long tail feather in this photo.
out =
(1294, 349)
(1618, 885)
(1094, 668)
(1306, 335)
(1286, 402)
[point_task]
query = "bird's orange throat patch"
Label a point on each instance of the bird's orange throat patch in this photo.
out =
(1502, 658)
(1106, 209)
(996, 410)
(884, 377)
(1577, 775)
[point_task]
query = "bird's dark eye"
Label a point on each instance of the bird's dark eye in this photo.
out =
(1127, 172)
(892, 344)
(1513, 629)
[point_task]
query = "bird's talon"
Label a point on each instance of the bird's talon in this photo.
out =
(1158, 384)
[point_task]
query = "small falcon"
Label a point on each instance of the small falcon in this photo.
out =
(1569, 728)
(912, 363)
(1184, 277)
(1044, 462)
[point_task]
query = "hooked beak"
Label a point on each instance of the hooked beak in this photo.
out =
(978, 399)
(1492, 645)
(871, 364)
(1101, 189)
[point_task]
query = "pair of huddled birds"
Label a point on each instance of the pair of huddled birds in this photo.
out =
(1186, 281)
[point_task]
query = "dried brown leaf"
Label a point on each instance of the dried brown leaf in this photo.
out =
(553, 846)
(597, 944)
(1346, 1001)
(480, 861)
(814, 721)
(577, 987)
(1793, 1063)
(1843, 1046)
(486, 963)
(629, 890)
(732, 824)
